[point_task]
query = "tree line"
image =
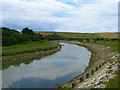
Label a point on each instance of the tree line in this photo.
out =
(11, 36)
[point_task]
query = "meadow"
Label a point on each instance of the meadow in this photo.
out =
(72, 35)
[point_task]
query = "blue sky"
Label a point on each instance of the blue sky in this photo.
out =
(61, 15)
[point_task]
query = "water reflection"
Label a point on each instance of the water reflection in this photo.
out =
(50, 71)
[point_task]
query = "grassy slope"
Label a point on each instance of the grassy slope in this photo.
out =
(78, 35)
(112, 44)
(84, 35)
(113, 83)
(29, 47)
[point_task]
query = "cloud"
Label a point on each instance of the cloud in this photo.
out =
(61, 15)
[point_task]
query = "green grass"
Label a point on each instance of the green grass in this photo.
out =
(112, 44)
(71, 35)
(113, 83)
(78, 35)
(26, 53)
(28, 47)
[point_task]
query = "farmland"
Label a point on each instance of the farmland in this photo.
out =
(82, 35)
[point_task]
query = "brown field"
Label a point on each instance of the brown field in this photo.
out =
(108, 35)
(74, 35)
(67, 34)
(43, 33)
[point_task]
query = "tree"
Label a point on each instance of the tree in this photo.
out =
(13, 40)
(27, 31)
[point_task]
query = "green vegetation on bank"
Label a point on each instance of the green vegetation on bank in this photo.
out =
(112, 44)
(24, 47)
(26, 53)
(28, 48)
(113, 83)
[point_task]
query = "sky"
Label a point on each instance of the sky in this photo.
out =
(84, 16)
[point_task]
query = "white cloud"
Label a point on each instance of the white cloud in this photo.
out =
(40, 15)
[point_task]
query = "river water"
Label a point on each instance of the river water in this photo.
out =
(50, 71)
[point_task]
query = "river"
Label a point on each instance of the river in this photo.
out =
(50, 71)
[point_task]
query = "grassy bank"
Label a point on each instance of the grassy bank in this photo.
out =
(112, 44)
(96, 52)
(26, 53)
(113, 83)
(100, 53)
(28, 48)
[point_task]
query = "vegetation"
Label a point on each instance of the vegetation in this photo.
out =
(26, 53)
(112, 44)
(54, 37)
(15, 43)
(28, 47)
(95, 37)
(75, 36)
(12, 37)
(113, 83)
(24, 47)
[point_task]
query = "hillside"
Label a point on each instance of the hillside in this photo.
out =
(82, 35)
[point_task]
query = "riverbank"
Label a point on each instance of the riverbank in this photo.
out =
(103, 63)
(33, 51)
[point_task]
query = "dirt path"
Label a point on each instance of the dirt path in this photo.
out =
(102, 67)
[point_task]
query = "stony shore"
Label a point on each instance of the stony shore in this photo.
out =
(102, 67)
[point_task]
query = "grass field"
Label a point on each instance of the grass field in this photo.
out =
(28, 47)
(112, 44)
(83, 35)
(109, 35)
